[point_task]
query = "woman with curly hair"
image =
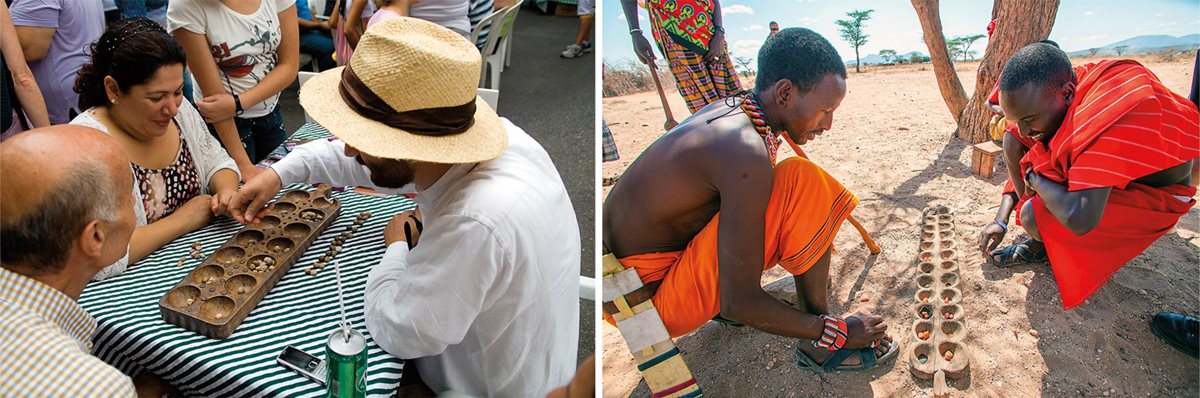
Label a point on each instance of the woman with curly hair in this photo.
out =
(132, 89)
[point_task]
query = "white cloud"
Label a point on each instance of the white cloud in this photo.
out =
(737, 9)
(753, 27)
(745, 48)
(808, 20)
(1088, 13)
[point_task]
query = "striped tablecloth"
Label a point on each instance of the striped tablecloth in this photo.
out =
(301, 311)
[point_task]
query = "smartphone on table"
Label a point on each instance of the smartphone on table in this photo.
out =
(301, 362)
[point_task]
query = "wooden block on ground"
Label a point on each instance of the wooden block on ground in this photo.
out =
(983, 158)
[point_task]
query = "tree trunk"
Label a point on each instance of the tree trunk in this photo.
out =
(1019, 22)
(943, 68)
(857, 61)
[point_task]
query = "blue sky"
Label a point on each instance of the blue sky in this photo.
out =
(1079, 24)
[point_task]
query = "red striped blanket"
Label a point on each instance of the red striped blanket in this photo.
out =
(1123, 124)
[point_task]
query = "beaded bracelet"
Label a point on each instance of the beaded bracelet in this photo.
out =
(834, 336)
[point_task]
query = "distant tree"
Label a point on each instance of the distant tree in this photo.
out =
(916, 59)
(966, 42)
(954, 47)
(1092, 52)
(852, 31)
(888, 55)
(1120, 50)
(745, 63)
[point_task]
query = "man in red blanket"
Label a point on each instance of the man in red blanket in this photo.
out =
(1106, 170)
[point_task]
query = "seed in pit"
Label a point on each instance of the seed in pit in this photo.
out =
(241, 290)
(948, 355)
(269, 261)
(190, 301)
(219, 315)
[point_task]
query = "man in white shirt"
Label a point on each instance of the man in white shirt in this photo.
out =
(486, 302)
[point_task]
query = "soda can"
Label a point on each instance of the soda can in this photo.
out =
(346, 354)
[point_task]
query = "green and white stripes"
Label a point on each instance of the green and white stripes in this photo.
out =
(301, 310)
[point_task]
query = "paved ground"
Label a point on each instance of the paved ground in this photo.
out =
(552, 99)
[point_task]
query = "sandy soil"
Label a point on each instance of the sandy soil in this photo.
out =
(891, 146)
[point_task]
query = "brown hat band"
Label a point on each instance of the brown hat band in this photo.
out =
(429, 121)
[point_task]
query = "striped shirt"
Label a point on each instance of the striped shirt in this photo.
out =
(46, 345)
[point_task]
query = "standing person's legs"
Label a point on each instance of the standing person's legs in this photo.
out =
(691, 76)
(586, 12)
(320, 46)
(725, 82)
(269, 133)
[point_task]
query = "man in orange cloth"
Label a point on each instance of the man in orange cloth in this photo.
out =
(1107, 169)
(705, 209)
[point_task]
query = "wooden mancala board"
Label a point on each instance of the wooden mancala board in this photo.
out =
(216, 296)
(940, 327)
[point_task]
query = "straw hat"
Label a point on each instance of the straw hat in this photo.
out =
(422, 78)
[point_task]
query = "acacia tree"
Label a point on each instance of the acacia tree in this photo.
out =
(852, 32)
(888, 55)
(966, 42)
(1120, 50)
(1019, 22)
(1092, 51)
(745, 63)
(954, 48)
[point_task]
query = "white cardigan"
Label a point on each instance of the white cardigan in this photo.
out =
(208, 154)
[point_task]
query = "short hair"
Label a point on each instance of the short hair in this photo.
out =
(39, 240)
(799, 55)
(1042, 64)
(131, 51)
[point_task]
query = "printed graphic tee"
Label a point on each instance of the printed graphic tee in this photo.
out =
(244, 46)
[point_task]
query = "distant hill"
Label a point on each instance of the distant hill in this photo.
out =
(875, 59)
(1144, 44)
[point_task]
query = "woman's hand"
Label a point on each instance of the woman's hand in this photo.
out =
(220, 202)
(196, 213)
(217, 108)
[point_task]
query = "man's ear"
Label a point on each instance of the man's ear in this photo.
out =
(1067, 91)
(783, 92)
(91, 239)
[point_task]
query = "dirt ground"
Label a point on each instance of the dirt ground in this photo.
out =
(891, 145)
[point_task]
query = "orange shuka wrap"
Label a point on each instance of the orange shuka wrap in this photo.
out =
(1122, 125)
(806, 209)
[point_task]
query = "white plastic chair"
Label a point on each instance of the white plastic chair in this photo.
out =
(495, 49)
(587, 288)
(306, 59)
(491, 97)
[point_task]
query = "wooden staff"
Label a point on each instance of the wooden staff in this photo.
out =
(670, 123)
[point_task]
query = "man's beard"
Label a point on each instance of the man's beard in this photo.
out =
(389, 173)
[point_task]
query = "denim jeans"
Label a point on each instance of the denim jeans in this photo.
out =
(319, 45)
(260, 135)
